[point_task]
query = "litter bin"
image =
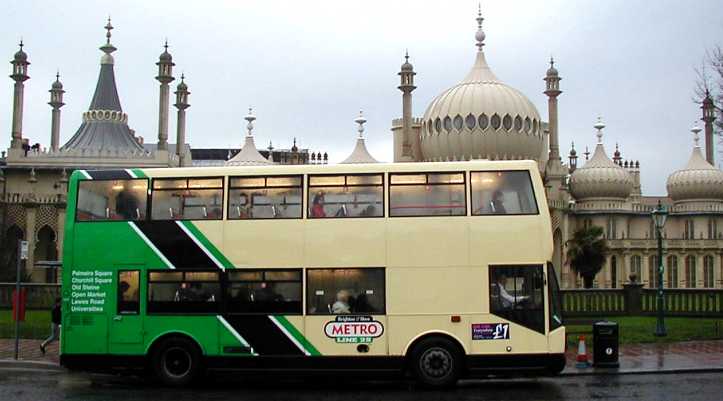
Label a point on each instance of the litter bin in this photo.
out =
(606, 345)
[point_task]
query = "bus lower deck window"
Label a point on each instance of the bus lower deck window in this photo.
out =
(183, 292)
(516, 294)
(427, 194)
(264, 291)
(100, 200)
(345, 291)
(128, 292)
(502, 192)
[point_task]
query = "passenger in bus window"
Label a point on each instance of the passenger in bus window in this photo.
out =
(186, 293)
(508, 301)
(126, 205)
(341, 306)
(497, 203)
(317, 208)
(266, 294)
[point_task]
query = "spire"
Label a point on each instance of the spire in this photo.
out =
(587, 153)
(360, 154)
(249, 155)
(480, 35)
(696, 138)
(108, 48)
(250, 118)
(599, 127)
(360, 121)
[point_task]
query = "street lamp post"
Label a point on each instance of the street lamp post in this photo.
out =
(659, 215)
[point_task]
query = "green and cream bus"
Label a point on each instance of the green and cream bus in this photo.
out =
(438, 270)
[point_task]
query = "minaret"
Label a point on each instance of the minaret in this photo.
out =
(552, 80)
(165, 76)
(181, 104)
(617, 157)
(406, 86)
(56, 102)
(20, 75)
(708, 117)
(572, 158)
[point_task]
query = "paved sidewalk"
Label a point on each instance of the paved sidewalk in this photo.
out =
(670, 357)
(637, 358)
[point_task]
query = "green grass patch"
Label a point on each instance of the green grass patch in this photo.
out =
(639, 329)
(35, 326)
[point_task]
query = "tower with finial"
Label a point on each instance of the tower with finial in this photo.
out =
(617, 158)
(181, 104)
(708, 108)
(572, 159)
(165, 76)
(552, 90)
(20, 75)
(404, 145)
(56, 102)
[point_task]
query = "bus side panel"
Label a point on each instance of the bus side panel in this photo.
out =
(333, 337)
(427, 241)
(344, 243)
(263, 243)
(440, 292)
(502, 239)
(203, 329)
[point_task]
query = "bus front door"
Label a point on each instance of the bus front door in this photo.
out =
(126, 325)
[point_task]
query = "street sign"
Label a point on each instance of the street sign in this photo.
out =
(24, 250)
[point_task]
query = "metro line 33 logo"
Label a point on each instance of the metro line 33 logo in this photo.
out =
(354, 329)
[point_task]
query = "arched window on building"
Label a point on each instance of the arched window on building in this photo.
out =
(653, 271)
(636, 267)
(587, 223)
(613, 272)
(672, 271)
(708, 266)
(690, 271)
(611, 229)
(45, 249)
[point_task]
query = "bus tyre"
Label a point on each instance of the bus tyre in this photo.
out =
(176, 361)
(436, 362)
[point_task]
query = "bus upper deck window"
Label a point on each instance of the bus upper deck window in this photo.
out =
(427, 194)
(100, 200)
(187, 199)
(342, 196)
(265, 197)
(502, 192)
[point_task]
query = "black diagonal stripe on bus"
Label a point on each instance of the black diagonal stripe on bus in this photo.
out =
(263, 335)
(175, 244)
(109, 174)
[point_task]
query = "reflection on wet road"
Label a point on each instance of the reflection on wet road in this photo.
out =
(41, 386)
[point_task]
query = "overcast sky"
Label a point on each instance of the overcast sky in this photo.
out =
(308, 67)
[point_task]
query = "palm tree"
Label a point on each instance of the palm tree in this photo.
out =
(586, 253)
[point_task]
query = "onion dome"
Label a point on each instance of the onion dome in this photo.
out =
(600, 178)
(407, 66)
(552, 71)
(248, 155)
(20, 55)
(360, 154)
(698, 180)
(57, 85)
(165, 56)
(481, 118)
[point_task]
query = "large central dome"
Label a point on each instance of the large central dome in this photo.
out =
(481, 118)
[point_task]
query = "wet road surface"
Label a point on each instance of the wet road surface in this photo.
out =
(32, 385)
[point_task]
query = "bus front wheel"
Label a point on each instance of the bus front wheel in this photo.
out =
(436, 362)
(176, 361)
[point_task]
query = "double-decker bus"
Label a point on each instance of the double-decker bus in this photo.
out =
(439, 270)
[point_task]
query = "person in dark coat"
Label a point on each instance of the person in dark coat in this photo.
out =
(55, 319)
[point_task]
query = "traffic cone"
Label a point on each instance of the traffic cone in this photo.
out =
(582, 361)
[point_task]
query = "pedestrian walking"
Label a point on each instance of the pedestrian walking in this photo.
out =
(54, 326)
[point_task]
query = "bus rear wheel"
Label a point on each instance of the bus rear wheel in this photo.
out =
(176, 361)
(436, 362)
